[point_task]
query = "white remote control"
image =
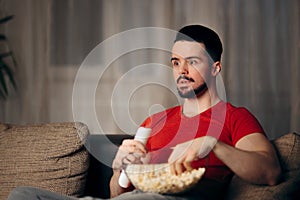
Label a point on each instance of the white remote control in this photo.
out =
(141, 135)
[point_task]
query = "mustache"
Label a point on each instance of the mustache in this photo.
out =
(184, 77)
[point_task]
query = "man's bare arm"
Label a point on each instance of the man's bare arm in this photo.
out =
(253, 159)
(115, 189)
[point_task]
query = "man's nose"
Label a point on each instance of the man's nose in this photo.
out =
(183, 69)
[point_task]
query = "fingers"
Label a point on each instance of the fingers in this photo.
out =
(132, 150)
(182, 163)
(133, 146)
(134, 158)
(188, 160)
(177, 168)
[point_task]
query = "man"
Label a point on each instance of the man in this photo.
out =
(203, 132)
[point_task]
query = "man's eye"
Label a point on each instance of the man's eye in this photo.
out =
(175, 63)
(192, 62)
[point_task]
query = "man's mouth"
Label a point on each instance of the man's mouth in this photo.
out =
(182, 79)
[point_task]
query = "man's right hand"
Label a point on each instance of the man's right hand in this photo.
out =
(130, 151)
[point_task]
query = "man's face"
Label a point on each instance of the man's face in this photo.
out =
(190, 68)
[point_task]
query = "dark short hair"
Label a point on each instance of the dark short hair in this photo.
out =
(202, 34)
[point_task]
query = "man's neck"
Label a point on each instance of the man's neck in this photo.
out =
(194, 106)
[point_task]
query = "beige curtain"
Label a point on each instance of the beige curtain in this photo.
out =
(260, 60)
(28, 35)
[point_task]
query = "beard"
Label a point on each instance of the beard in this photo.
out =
(193, 93)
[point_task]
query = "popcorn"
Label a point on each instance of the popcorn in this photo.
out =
(158, 178)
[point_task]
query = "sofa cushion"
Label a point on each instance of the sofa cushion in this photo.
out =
(288, 150)
(3, 127)
(50, 156)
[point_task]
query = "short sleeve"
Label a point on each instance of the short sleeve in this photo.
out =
(243, 123)
(146, 123)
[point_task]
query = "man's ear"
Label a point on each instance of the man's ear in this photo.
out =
(216, 68)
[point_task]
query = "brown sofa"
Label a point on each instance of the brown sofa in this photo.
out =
(64, 158)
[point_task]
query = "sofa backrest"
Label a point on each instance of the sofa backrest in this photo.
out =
(102, 149)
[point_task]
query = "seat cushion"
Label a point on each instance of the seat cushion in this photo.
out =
(50, 156)
(288, 150)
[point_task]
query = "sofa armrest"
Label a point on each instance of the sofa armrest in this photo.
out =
(50, 156)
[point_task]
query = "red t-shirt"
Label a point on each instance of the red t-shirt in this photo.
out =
(222, 121)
